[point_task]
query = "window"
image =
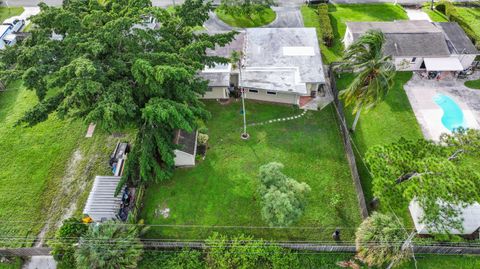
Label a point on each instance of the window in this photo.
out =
(271, 93)
(209, 89)
(413, 60)
(253, 91)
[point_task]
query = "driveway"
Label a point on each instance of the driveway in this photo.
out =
(287, 17)
(422, 93)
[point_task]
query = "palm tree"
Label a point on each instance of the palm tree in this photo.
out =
(374, 73)
(110, 244)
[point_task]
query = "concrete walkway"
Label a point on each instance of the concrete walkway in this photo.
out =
(27, 13)
(287, 17)
(40, 262)
(417, 15)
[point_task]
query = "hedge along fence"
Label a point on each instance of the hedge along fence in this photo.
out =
(449, 9)
(325, 25)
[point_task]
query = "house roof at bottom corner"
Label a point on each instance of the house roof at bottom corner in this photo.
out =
(470, 216)
(101, 202)
(460, 41)
(186, 141)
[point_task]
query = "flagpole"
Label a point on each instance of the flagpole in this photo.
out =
(244, 135)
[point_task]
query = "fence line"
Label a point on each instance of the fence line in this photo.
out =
(347, 144)
(426, 249)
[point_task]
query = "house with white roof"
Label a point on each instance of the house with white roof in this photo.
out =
(279, 65)
(420, 45)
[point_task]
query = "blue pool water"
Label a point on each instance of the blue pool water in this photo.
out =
(452, 113)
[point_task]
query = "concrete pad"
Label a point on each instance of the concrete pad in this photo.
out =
(417, 15)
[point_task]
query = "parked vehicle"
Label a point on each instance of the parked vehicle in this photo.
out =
(316, 2)
(16, 24)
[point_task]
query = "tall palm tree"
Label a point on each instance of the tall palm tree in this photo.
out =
(374, 73)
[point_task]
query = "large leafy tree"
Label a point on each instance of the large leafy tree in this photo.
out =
(380, 239)
(374, 73)
(442, 177)
(104, 66)
(64, 244)
(283, 199)
(109, 244)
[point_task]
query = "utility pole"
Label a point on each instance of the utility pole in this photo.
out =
(244, 135)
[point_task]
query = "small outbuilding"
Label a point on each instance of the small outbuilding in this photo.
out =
(470, 217)
(187, 148)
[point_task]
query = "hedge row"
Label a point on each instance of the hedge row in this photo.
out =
(451, 12)
(325, 25)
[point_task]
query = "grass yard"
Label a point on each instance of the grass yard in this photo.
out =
(473, 84)
(221, 190)
(263, 17)
(472, 18)
(386, 123)
(434, 14)
(34, 161)
(341, 13)
(7, 12)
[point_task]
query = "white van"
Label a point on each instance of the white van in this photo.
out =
(16, 24)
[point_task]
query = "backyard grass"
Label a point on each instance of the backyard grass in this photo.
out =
(263, 17)
(35, 160)
(434, 14)
(471, 16)
(386, 123)
(7, 12)
(221, 190)
(473, 84)
(342, 13)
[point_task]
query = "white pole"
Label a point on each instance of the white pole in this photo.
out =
(244, 112)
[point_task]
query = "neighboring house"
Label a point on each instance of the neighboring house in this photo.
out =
(420, 45)
(187, 143)
(470, 217)
(278, 65)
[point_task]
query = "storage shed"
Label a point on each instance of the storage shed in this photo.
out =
(470, 216)
(187, 148)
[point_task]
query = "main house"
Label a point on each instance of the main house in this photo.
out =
(420, 45)
(278, 65)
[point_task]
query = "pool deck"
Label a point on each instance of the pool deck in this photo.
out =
(421, 93)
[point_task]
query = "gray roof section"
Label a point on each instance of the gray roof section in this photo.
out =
(186, 141)
(458, 40)
(406, 38)
(101, 201)
(394, 27)
(237, 44)
(217, 79)
(265, 48)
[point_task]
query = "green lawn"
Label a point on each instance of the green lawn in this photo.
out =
(341, 13)
(472, 18)
(6, 13)
(34, 162)
(263, 17)
(222, 189)
(473, 84)
(386, 123)
(434, 14)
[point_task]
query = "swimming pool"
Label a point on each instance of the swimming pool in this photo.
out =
(452, 113)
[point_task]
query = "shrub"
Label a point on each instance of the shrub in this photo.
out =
(202, 139)
(283, 199)
(379, 241)
(441, 7)
(325, 25)
(63, 247)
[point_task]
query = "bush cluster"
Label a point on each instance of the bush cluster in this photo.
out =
(325, 25)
